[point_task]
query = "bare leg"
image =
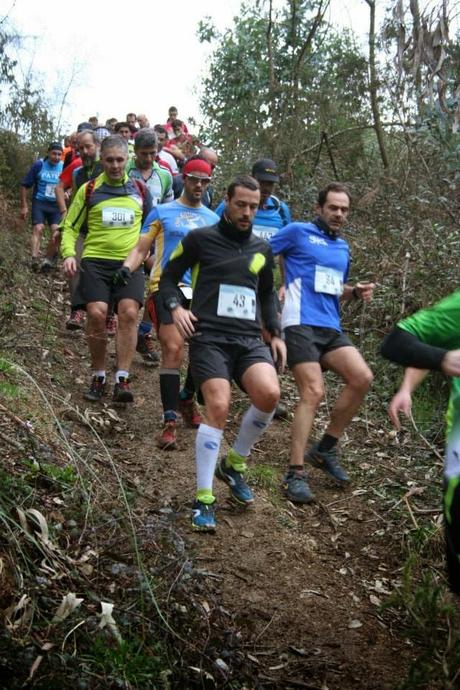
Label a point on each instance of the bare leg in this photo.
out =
(309, 380)
(96, 332)
(348, 363)
(128, 310)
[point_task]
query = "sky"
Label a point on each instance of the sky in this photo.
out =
(141, 61)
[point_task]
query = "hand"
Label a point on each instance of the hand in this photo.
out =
(401, 402)
(70, 266)
(278, 348)
(365, 291)
(24, 212)
(184, 321)
(450, 364)
(121, 277)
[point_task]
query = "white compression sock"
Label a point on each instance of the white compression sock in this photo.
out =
(252, 427)
(207, 445)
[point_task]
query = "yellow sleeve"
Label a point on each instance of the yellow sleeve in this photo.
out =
(74, 219)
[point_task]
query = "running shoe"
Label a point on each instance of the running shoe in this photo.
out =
(296, 487)
(190, 413)
(75, 321)
(146, 349)
(235, 481)
(281, 411)
(96, 390)
(111, 325)
(35, 263)
(203, 517)
(328, 462)
(121, 392)
(167, 438)
(47, 265)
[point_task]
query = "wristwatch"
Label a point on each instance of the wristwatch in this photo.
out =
(171, 303)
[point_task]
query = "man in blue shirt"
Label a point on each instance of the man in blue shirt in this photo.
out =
(43, 176)
(316, 261)
(272, 213)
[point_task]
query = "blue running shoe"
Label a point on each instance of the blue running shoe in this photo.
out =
(296, 487)
(203, 517)
(328, 461)
(235, 481)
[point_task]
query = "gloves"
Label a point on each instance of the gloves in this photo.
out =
(121, 277)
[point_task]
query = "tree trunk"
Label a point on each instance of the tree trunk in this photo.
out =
(373, 84)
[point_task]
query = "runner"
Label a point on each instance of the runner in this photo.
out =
(316, 261)
(43, 176)
(272, 213)
(159, 183)
(91, 167)
(166, 225)
(114, 207)
(233, 295)
(430, 339)
(165, 159)
(178, 182)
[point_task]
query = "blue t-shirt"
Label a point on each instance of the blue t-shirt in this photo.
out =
(43, 176)
(167, 225)
(316, 268)
(274, 215)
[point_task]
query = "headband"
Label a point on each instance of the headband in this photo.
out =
(197, 166)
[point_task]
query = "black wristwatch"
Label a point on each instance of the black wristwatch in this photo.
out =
(171, 303)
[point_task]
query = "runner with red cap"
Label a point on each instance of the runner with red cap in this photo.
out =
(166, 225)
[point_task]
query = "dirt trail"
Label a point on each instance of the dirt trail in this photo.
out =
(301, 585)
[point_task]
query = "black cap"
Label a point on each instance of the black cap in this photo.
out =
(84, 125)
(265, 170)
(55, 146)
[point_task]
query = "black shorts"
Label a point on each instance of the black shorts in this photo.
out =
(225, 357)
(96, 282)
(310, 343)
(45, 212)
(158, 312)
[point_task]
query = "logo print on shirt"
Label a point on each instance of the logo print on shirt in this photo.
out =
(317, 240)
(211, 445)
(189, 220)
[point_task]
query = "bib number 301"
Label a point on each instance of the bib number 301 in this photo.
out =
(328, 280)
(237, 302)
(117, 217)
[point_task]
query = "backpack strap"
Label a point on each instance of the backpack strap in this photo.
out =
(279, 208)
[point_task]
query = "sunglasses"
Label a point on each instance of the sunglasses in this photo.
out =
(195, 178)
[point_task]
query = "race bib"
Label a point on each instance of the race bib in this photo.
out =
(237, 302)
(117, 217)
(328, 280)
(50, 191)
(263, 231)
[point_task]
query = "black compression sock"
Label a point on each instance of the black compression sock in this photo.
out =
(169, 389)
(327, 442)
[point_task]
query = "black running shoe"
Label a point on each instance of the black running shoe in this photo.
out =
(121, 392)
(96, 390)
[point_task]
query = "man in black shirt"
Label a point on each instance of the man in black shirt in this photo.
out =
(233, 298)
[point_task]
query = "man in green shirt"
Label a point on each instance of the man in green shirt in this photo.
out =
(114, 208)
(430, 340)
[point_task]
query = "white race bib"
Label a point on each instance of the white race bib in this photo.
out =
(328, 280)
(117, 217)
(263, 231)
(50, 191)
(237, 302)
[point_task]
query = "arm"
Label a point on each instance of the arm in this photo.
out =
(404, 348)
(138, 254)
(70, 230)
(402, 400)
(60, 197)
(362, 291)
(24, 205)
(183, 257)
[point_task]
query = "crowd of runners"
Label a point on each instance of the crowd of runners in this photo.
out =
(126, 202)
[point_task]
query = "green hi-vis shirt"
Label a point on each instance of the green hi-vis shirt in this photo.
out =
(439, 325)
(114, 213)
